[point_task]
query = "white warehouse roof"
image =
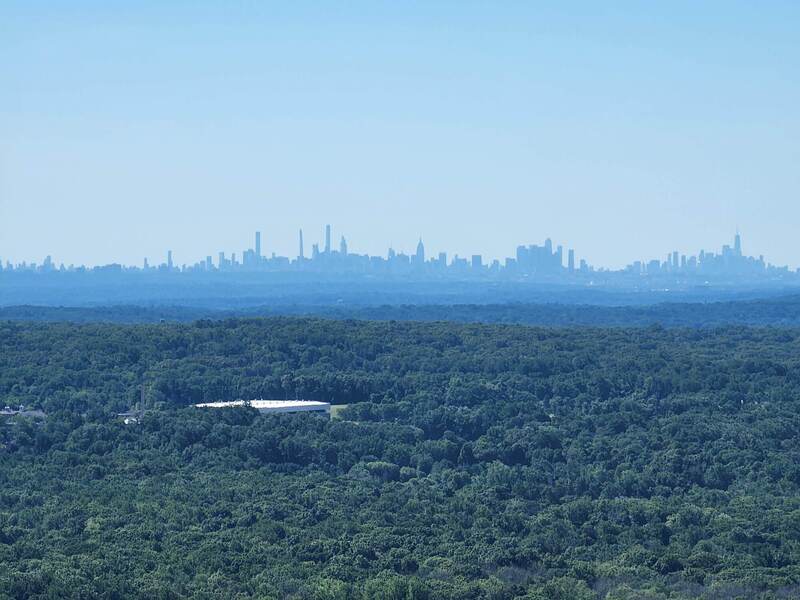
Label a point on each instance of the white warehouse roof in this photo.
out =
(273, 406)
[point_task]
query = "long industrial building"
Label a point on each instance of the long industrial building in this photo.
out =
(274, 406)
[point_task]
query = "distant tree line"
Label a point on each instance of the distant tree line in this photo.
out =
(781, 311)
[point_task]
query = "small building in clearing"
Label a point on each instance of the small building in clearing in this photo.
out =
(274, 406)
(23, 411)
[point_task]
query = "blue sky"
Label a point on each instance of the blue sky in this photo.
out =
(623, 131)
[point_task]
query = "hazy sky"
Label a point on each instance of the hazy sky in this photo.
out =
(622, 129)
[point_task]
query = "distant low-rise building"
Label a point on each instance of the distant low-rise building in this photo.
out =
(22, 411)
(131, 417)
(274, 406)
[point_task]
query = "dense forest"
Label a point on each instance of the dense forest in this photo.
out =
(782, 310)
(470, 461)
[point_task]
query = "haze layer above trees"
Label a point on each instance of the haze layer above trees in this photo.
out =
(777, 311)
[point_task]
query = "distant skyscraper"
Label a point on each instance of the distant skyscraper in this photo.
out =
(571, 260)
(477, 261)
(737, 244)
(420, 256)
(258, 245)
(343, 246)
(301, 254)
(169, 259)
(248, 257)
(314, 251)
(522, 254)
(327, 239)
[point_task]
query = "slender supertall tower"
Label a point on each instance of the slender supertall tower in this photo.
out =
(737, 244)
(327, 239)
(258, 245)
(169, 260)
(301, 254)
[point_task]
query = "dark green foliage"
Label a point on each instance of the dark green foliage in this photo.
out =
(472, 461)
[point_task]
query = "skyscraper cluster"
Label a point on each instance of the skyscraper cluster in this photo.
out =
(532, 262)
(730, 262)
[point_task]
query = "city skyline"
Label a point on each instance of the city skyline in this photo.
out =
(282, 242)
(627, 129)
(545, 261)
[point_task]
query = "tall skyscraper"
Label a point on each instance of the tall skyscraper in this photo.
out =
(571, 260)
(420, 256)
(327, 239)
(169, 260)
(737, 244)
(343, 246)
(258, 245)
(301, 254)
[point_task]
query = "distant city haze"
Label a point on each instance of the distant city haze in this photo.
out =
(625, 132)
